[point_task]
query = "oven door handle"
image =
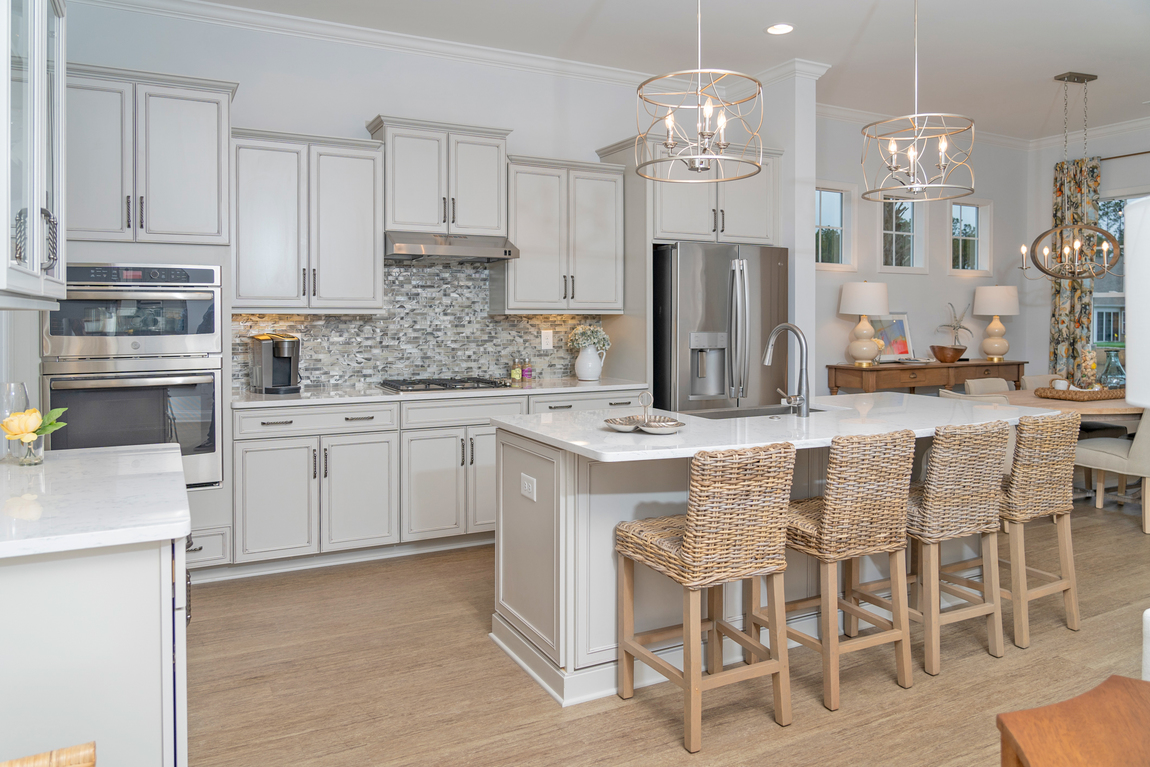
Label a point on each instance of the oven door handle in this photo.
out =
(129, 383)
(139, 295)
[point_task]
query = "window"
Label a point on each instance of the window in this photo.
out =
(834, 226)
(1109, 324)
(1110, 291)
(828, 226)
(970, 222)
(898, 235)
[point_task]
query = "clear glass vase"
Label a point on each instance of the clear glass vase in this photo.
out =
(1113, 375)
(13, 399)
(30, 453)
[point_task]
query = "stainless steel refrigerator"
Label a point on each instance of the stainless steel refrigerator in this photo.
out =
(714, 306)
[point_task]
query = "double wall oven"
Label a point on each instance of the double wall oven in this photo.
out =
(135, 353)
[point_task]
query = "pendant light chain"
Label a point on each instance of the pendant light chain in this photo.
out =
(1085, 94)
(1065, 119)
(916, 57)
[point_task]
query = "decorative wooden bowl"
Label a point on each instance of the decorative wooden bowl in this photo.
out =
(947, 353)
(1080, 396)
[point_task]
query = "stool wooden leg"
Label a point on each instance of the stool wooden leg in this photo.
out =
(714, 638)
(777, 631)
(1018, 594)
(850, 584)
(692, 671)
(1087, 477)
(900, 618)
(752, 600)
(1100, 489)
(1121, 489)
(930, 608)
(829, 631)
(626, 618)
(1145, 516)
(991, 593)
(915, 576)
(1066, 566)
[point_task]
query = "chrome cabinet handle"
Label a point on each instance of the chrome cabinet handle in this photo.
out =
(358, 417)
(325, 463)
(558, 407)
(723, 213)
(128, 208)
(196, 548)
(445, 210)
(305, 281)
(462, 451)
(565, 287)
(573, 287)
(274, 423)
(53, 242)
(714, 219)
(619, 404)
(314, 281)
(188, 596)
(141, 212)
(20, 237)
(472, 440)
(314, 463)
(453, 210)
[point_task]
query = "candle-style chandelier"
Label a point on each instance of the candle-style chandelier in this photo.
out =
(705, 121)
(1073, 251)
(898, 153)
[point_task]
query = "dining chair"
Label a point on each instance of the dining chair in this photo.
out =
(1040, 381)
(74, 756)
(986, 385)
(1124, 457)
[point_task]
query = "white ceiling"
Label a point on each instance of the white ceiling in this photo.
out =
(992, 60)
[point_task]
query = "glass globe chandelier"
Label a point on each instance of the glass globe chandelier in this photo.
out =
(1073, 251)
(705, 122)
(898, 153)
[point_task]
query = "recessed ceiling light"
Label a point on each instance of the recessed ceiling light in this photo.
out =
(779, 29)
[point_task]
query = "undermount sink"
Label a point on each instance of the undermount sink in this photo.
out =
(748, 412)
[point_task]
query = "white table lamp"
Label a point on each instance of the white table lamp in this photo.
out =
(997, 301)
(863, 298)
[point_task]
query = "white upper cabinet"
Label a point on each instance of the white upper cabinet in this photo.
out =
(443, 178)
(308, 223)
(34, 143)
(148, 157)
(743, 211)
(566, 218)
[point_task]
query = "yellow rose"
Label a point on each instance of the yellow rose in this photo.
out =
(22, 426)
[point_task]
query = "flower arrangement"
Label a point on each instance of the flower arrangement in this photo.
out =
(29, 426)
(588, 335)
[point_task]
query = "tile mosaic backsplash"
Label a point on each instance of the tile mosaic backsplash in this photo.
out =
(436, 324)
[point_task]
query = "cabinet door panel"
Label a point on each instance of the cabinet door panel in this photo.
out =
(23, 213)
(270, 220)
(416, 180)
(276, 498)
(360, 491)
(481, 506)
(596, 237)
(433, 483)
(538, 227)
(685, 211)
(746, 208)
(477, 181)
(182, 165)
(346, 231)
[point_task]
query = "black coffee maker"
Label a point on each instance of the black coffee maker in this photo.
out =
(275, 363)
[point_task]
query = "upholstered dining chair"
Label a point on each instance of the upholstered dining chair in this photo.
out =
(1124, 457)
(986, 385)
(1040, 381)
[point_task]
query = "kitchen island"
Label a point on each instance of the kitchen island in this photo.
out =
(92, 604)
(564, 480)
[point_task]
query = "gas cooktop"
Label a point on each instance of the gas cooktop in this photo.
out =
(442, 384)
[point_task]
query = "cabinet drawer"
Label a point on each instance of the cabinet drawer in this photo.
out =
(211, 546)
(323, 419)
(552, 404)
(459, 412)
(894, 379)
(1009, 372)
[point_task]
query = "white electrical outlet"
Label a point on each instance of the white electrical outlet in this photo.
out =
(527, 486)
(547, 338)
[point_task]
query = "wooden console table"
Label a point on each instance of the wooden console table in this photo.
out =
(895, 375)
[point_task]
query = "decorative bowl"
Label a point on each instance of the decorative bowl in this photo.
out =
(947, 353)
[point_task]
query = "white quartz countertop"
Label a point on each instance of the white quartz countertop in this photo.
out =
(92, 498)
(584, 433)
(366, 393)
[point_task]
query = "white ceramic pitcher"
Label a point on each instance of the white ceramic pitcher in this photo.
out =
(589, 364)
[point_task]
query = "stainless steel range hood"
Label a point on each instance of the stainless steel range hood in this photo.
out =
(412, 246)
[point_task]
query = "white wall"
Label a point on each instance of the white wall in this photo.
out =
(1000, 176)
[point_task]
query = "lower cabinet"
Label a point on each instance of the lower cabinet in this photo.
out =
(304, 495)
(448, 482)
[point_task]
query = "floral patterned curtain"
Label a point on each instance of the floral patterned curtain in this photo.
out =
(1072, 301)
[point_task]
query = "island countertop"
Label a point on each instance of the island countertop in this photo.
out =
(585, 434)
(92, 498)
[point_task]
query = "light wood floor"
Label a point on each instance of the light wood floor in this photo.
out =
(388, 663)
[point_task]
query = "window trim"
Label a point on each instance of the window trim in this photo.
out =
(921, 225)
(1119, 309)
(985, 237)
(850, 226)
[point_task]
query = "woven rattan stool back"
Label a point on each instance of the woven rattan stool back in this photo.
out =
(962, 494)
(737, 512)
(1041, 481)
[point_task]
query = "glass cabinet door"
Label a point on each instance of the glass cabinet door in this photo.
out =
(51, 136)
(21, 150)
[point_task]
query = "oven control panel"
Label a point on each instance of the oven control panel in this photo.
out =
(142, 274)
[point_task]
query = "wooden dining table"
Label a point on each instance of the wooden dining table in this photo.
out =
(1116, 411)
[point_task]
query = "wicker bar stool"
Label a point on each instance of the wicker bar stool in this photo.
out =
(863, 511)
(962, 496)
(735, 529)
(1041, 484)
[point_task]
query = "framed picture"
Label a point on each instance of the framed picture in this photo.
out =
(894, 331)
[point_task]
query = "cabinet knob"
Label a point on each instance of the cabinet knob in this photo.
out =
(986, 372)
(914, 375)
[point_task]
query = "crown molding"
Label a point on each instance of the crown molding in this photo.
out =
(278, 23)
(577, 165)
(376, 125)
(1102, 131)
(303, 138)
(158, 78)
(798, 68)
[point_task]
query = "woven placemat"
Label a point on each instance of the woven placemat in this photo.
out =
(1080, 396)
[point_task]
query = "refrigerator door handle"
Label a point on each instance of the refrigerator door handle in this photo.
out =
(745, 329)
(732, 323)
